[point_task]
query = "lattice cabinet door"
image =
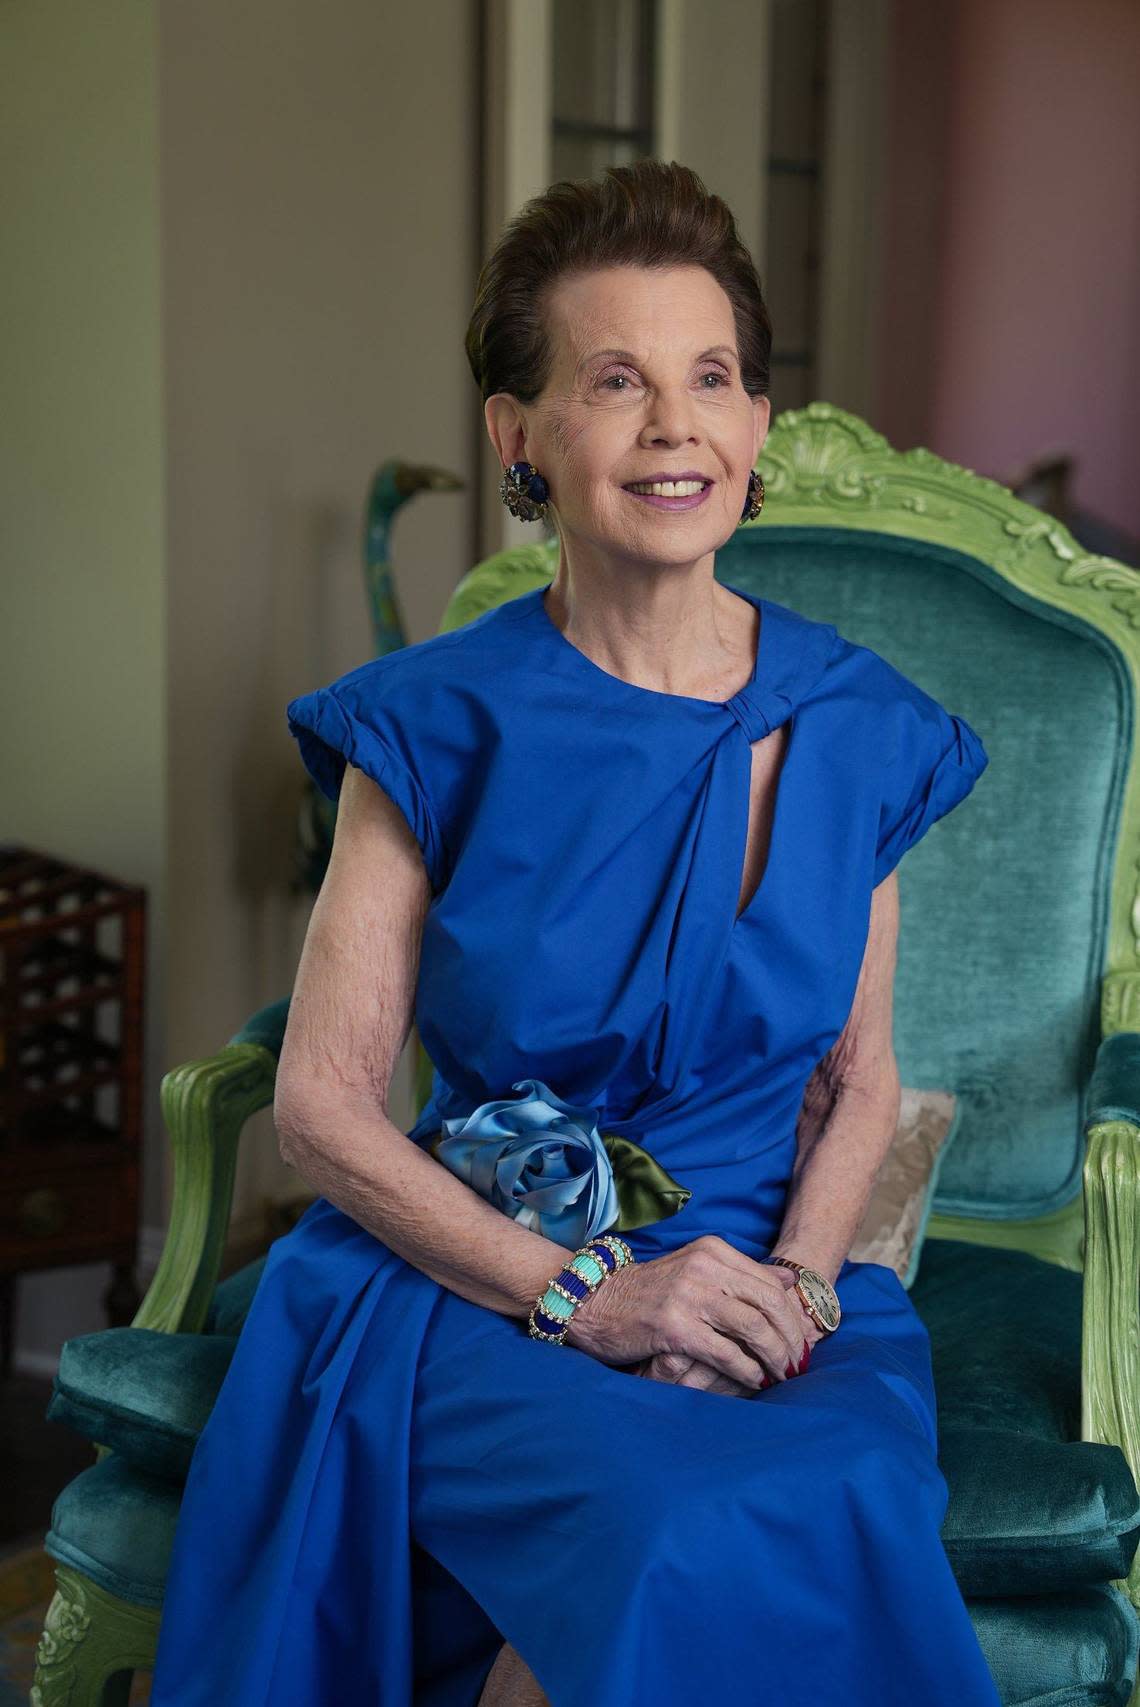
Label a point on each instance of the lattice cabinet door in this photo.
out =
(72, 953)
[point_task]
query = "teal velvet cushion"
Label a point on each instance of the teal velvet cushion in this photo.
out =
(266, 1027)
(144, 1394)
(1063, 1650)
(1032, 1507)
(116, 1523)
(1116, 1074)
(147, 1395)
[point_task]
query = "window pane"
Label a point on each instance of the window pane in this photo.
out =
(603, 63)
(791, 278)
(584, 157)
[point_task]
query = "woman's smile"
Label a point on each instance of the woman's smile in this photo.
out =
(673, 495)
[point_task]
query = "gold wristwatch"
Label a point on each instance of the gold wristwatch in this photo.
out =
(816, 1293)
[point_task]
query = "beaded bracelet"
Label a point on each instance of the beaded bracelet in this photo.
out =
(554, 1308)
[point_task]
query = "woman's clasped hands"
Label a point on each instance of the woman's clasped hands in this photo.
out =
(703, 1316)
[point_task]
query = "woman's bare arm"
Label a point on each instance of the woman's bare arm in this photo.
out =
(349, 1018)
(850, 1110)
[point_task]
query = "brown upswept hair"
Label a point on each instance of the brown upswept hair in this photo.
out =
(649, 214)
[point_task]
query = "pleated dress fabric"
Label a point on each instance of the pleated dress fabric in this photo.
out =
(394, 1480)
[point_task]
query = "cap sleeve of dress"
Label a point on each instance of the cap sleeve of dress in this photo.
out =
(355, 721)
(936, 758)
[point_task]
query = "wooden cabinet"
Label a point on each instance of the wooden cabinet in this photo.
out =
(72, 952)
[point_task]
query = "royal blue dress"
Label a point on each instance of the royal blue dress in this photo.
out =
(394, 1480)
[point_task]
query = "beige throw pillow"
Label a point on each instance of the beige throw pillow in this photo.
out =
(895, 1223)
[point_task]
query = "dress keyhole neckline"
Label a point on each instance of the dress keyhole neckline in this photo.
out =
(776, 817)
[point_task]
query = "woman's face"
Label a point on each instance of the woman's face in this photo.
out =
(645, 382)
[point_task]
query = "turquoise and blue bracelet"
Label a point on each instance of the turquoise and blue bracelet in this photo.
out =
(554, 1309)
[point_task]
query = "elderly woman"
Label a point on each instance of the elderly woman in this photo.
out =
(522, 1409)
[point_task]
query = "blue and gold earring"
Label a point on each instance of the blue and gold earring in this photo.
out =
(524, 492)
(754, 502)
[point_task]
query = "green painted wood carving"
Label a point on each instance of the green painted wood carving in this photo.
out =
(393, 484)
(92, 1644)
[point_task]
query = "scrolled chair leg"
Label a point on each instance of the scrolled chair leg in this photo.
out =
(511, 1683)
(92, 1645)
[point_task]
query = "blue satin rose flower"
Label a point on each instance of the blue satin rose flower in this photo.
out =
(538, 1159)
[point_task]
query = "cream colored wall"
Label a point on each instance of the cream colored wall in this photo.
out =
(713, 107)
(271, 209)
(82, 593)
(319, 201)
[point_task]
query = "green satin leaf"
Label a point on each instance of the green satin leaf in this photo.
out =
(646, 1191)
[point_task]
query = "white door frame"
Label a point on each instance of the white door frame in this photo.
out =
(518, 77)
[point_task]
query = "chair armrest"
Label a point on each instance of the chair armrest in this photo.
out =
(1110, 1336)
(144, 1395)
(266, 1027)
(1114, 1089)
(205, 1105)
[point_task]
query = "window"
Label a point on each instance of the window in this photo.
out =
(602, 94)
(791, 278)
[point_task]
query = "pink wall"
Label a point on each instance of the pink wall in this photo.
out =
(1018, 270)
(919, 97)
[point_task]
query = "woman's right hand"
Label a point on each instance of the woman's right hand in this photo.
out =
(706, 1302)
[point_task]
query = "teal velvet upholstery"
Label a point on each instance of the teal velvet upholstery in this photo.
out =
(974, 942)
(144, 1394)
(147, 1395)
(1033, 1507)
(1114, 1091)
(115, 1523)
(266, 1027)
(1062, 1650)
(233, 1298)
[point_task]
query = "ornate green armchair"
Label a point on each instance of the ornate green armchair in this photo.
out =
(1018, 988)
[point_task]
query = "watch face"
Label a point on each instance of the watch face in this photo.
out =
(821, 1295)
